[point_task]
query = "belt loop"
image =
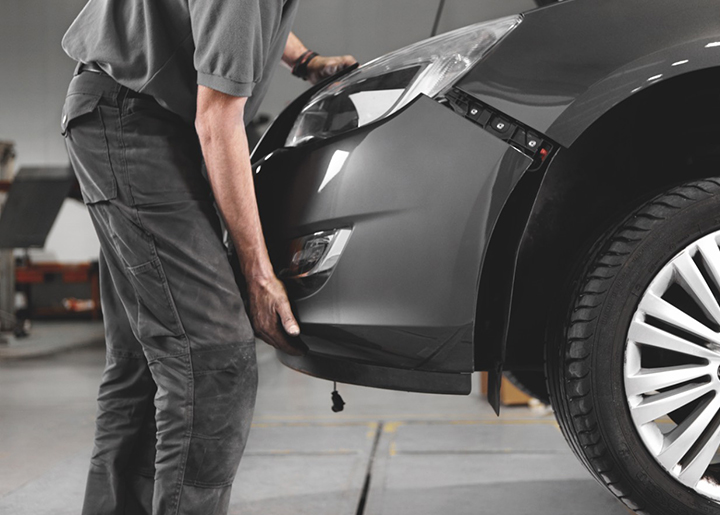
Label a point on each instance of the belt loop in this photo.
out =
(122, 94)
(77, 69)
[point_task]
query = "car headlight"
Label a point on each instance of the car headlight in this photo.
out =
(385, 85)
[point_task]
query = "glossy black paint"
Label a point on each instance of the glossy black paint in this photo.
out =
(567, 64)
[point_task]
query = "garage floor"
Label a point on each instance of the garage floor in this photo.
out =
(388, 453)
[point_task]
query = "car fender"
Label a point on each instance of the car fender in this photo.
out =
(566, 65)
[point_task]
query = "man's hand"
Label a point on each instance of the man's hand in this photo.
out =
(268, 306)
(320, 68)
(219, 124)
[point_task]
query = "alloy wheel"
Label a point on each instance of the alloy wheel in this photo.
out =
(672, 367)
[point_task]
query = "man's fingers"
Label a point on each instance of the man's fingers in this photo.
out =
(288, 319)
(274, 336)
(267, 304)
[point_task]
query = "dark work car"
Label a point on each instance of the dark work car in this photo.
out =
(538, 195)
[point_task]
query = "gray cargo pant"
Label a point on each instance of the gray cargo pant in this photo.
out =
(178, 391)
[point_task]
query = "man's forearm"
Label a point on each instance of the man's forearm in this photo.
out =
(220, 127)
(294, 48)
(227, 156)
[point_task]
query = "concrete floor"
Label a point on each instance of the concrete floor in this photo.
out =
(423, 454)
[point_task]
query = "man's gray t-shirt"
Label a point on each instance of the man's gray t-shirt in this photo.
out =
(165, 48)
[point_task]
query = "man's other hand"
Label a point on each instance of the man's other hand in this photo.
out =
(272, 317)
(321, 67)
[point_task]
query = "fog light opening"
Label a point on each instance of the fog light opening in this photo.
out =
(317, 253)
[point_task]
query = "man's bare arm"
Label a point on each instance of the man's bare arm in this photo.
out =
(294, 48)
(219, 124)
(320, 67)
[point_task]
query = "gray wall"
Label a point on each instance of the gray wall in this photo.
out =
(34, 73)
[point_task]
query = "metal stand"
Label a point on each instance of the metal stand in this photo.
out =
(7, 262)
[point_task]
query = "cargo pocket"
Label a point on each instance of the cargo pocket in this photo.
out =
(156, 313)
(83, 127)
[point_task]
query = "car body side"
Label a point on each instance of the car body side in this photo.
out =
(632, 94)
(599, 80)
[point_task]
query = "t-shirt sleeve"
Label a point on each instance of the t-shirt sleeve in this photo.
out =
(229, 37)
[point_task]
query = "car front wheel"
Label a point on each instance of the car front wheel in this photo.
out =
(633, 364)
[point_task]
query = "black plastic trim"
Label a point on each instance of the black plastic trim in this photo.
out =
(350, 372)
(526, 140)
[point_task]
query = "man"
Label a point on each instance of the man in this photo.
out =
(161, 85)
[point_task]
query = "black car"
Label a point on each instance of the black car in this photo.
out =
(538, 195)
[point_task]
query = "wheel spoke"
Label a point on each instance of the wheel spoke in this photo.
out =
(691, 474)
(654, 306)
(684, 436)
(652, 379)
(711, 255)
(645, 334)
(696, 286)
(663, 403)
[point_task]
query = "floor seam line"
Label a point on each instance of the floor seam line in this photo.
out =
(368, 474)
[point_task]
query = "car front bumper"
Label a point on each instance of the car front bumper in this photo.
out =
(421, 192)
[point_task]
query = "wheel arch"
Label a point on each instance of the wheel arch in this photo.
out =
(665, 135)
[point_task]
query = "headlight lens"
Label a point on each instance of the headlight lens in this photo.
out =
(385, 85)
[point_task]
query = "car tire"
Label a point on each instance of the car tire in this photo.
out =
(531, 383)
(598, 352)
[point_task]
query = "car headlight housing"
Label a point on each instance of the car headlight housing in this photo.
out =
(385, 85)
